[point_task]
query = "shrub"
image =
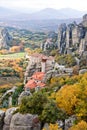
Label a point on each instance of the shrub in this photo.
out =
(46, 109)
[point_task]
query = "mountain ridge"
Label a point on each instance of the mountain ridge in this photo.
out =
(47, 13)
(50, 13)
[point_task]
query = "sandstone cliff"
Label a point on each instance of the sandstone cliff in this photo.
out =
(73, 37)
(50, 42)
(10, 121)
(5, 38)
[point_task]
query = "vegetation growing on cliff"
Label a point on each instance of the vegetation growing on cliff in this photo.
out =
(40, 104)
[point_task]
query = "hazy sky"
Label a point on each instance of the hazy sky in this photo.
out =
(40, 4)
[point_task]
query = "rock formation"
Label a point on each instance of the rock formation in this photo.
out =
(61, 37)
(2, 114)
(69, 122)
(5, 38)
(10, 121)
(82, 71)
(24, 122)
(7, 118)
(23, 94)
(73, 37)
(17, 121)
(50, 42)
(84, 22)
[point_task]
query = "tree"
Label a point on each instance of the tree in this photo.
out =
(33, 104)
(53, 127)
(67, 60)
(82, 125)
(73, 98)
(3, 51)
(46, 109)
(52, 113)
(15, 49)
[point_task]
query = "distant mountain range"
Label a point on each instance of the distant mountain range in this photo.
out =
(5, 12)
(44, 20)
(44, 14)
(50, 13)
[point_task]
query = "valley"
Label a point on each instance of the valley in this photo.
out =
(43, 74)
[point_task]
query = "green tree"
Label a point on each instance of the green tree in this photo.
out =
(46, 109)
(33, 104)
(52, 113)
(67, 60)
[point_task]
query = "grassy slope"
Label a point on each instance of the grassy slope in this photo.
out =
(13, 56)
(6, 82)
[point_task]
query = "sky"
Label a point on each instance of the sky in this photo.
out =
(41, 4)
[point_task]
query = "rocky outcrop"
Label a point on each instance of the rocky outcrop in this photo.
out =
(2, 115)
(7, 119)
(84, 22)
(70, 122)
(10, 121)
(65, 125)
(5, 38)
(82, 71)
(23, 94)
(17, 121)
(73, 36)
(50, 42)
(24, 122)
(61, 37)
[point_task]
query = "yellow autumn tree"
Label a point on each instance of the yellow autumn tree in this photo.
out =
(66, 98)
(53, 127)
(15, 49)
(73, 98)
(80, 126)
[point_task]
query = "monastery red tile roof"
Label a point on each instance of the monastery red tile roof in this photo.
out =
(37, 55)
(38, 76)
(41, 56)
(31, 84)
(41, 84)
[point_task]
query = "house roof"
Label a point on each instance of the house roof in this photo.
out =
(31, 84)
(41, 56)
(37, 55)
(41, 84)
(38, 76)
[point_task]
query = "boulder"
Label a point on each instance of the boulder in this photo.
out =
(46, 126)
(82, 71)
(2, 114)
(7, 119)
(24, 122)
(69, 122)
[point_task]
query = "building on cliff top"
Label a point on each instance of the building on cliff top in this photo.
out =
(36, 81)
(39, 65)
(43, 63)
